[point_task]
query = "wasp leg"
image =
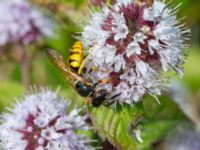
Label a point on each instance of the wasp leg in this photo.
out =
(111, 98)
(86, 101)
(116, 95)
(81, 68)
(108, 103)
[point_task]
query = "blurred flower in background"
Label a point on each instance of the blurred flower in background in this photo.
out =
(131, 43)
(22, 23)
(182, 139)
(186, 135)
(185, 101)
(39, 122)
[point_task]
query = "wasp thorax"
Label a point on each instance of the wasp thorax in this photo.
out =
(83, 89)
(131, 43)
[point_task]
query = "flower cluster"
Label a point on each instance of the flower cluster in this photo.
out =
(183, 138)
(21, 22)
(131, 44)
(39, 122)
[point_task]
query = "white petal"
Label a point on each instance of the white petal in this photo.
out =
(133, 48)
(139, 37)
(120, 29)
(141, 67)
(138, 135)
(153, 45)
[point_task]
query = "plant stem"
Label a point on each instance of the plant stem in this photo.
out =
(25, 66)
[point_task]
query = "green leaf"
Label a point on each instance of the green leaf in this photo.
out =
(192, 72)
(114, 124)
(154, 131)
(166, 110)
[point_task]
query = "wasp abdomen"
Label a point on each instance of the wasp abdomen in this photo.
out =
(76, 55)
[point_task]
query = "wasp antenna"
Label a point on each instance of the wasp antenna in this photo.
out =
(115, 96)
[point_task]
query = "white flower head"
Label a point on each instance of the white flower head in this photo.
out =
(135, 44)
(21, 22)
(40, 122)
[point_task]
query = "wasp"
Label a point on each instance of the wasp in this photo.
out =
(72, 72)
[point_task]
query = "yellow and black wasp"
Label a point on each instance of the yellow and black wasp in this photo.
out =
(73, 73)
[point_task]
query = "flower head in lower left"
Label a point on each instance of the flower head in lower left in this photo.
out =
(40, 122)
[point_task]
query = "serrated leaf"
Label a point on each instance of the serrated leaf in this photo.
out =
(114, 124)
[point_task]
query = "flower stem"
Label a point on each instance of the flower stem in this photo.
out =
(25, 66)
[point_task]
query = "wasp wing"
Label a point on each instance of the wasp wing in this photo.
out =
(64, 69)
